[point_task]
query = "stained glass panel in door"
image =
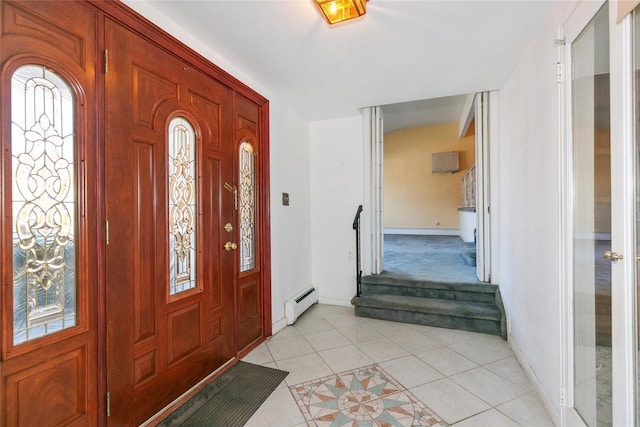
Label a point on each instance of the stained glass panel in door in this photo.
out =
(43, 203)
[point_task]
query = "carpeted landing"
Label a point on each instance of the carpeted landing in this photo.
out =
(230, 400)
(426, 281)
(432, 258)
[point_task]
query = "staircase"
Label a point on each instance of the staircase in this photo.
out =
(469, 307)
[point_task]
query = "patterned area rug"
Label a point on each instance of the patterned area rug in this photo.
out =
(362, 397)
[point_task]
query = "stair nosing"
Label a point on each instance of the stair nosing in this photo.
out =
(487, 311)
(487, 288)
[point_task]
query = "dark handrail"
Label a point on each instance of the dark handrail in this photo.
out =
(356, 221)
(356, 226)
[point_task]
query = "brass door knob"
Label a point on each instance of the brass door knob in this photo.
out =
(612, 256)
(229, 246)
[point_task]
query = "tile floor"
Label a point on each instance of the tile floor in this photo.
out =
(436, 376)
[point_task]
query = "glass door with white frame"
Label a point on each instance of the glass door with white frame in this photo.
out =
(601, 210)
(591, 221)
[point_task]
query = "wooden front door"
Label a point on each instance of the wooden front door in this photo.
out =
(169, 279)
(49, 196)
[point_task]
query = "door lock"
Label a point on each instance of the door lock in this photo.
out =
(228, 227)
(229, 246)
(612, 256)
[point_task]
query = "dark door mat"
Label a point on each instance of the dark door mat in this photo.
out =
(230, 400)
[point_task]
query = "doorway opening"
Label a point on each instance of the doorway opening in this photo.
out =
(430, 185)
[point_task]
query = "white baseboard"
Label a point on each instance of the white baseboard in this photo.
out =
(278, 325)
(552, 411)
(335, 301)
(423, 231)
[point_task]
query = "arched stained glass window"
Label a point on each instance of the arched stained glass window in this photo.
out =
(247, 208)
(43, 203)
(182, 206)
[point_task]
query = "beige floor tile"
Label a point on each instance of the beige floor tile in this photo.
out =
(447, 361)
(410, 371)
(287, 332)
(483, 350)
(511, 370)
(390, 329)
(326, 339)
(488, 386)
(450, 401)
(446, 336)
(310, 324)
(259, 355)
(479, 370)
(527, 411)
(357, 334)
(413, 341)
(344, 358)
(490, 418)
(289, 347)
(382, 349)
(279, 410)
(304, 368)
(345, 320)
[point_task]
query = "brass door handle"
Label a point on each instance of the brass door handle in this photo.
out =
(229, 246)
(612, 256)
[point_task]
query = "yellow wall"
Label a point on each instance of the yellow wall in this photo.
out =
(413, 196)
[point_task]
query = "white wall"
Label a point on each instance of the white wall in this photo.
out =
(336, 191)
(529, 211)
(290, 225)
(289, 164)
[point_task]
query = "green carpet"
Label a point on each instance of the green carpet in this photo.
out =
(230, 400)
(433, 258)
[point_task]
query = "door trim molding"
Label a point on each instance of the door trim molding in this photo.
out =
(623, 292)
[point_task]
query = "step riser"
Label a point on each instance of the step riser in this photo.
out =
(371, 288)
(429, 319)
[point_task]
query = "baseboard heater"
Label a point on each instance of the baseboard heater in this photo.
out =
(295, 306)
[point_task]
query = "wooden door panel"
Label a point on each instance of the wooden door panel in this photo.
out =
(249, 310)
(144, 240)
(177, 339)
(150, 90)
(47, 28)
(209, 108)
(183, 333)
(249, 284)
(52, 379)
(56, 387)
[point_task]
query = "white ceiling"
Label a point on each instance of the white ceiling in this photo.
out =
(423, 113)
(400, 51)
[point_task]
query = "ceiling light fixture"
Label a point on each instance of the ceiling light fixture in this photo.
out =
(335, 11)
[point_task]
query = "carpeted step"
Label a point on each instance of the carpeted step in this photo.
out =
(468, 253)
(465, 315)
(390, 284)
